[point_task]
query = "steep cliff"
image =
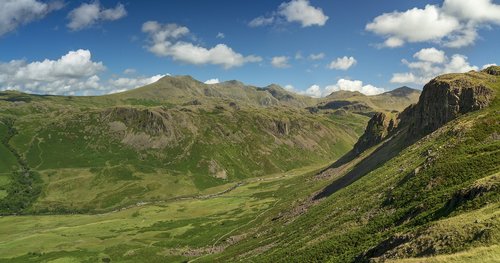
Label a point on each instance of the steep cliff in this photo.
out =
(444, 99)
(379, 127)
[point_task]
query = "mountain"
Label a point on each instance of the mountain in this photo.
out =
(183, 89)
(421, 186)
(172, 138)
(181, 171)
(391, 101)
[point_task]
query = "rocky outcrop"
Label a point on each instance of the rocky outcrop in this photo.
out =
(147, 120)
(378, 128)
(492, 70)
(444, 99)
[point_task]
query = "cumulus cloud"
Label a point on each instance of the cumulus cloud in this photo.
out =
(302, 12)
(487, 66)
(430, 55)
(343, 63)
(87, 15)
(74, 73)
(316, 91)
(14, 13)
(318, 56)
(212, 81)
(123, 84)
(482, 11)
(430, 63)
(353, 85)
(280, 62)
(165, 40)
(454, 24)
(299, 11)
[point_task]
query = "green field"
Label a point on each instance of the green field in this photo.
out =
(170, 231)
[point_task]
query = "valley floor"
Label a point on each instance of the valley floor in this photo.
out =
(173, 231)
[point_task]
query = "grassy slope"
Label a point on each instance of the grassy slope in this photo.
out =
(171, 231)
(438, 196)
(385, 102)
(85, 166)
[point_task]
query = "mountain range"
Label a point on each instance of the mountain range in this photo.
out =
(179, 170)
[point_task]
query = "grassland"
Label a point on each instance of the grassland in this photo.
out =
(97, 154)
(438, 197)
(219, 182)
(167, 231)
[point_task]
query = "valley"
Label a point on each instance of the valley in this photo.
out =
(103, 180)
(291, 131)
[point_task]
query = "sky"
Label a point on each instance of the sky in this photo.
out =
(311, 47)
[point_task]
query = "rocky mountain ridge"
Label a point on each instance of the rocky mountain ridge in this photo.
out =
(443, 99)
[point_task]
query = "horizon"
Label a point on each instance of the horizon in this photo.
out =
(308, 47)
(223, 82)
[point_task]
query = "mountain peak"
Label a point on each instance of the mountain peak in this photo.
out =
(342, 94)
(179, 78)
(233, 83)
(402, 91)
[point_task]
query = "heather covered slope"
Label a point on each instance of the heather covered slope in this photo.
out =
(435, 199)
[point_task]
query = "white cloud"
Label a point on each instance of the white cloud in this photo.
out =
(14, 13)
(414, 25)
(430, 55)
(352, 85)
(124, 84)
(430, 63)
(313, 91)
(317, 56)
(220, 35)
(406, 77)
(343, 63)
(280, 62)
(300, 11)
(87, 15)
(454, 24)
(72, 74)
(481, 11)
(165, 41)
(261, 21)
(393, 42)
(466, 35)
(316, 91)
(487, 66)
(212, 81)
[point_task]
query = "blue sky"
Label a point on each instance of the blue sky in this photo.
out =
(311, 47)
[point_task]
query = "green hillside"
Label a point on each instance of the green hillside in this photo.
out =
(392, 101)
(436, 200)
(89, 154)
(215, 181)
